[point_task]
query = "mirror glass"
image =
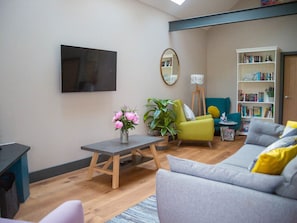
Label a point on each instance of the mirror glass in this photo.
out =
(169, 66)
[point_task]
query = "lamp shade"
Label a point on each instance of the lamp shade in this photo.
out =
(197, 79)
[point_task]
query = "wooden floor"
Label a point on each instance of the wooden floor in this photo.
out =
(100, 202)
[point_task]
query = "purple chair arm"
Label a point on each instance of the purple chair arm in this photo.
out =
(68, 212)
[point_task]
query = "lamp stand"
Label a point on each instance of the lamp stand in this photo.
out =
(199, 91)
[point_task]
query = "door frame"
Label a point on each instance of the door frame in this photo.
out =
(281, 83)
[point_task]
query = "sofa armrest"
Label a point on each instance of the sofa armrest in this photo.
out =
(68, 212)
(185, 198)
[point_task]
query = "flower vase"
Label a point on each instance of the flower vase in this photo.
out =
(124, 137)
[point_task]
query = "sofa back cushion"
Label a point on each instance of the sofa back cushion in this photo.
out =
(263, 133)
(290, 129)
(260, 182)
(289, 187)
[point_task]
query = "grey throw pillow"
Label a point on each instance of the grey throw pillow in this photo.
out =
(289, 187)
(260, 182)
(263, 133)
(188, 113)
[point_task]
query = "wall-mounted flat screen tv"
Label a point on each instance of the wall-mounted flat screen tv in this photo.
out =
(85, 69)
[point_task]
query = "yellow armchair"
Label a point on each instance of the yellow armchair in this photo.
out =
(200, 129)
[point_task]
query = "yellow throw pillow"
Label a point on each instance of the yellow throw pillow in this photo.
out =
(292, 124)
(214, 111)
(275, 157)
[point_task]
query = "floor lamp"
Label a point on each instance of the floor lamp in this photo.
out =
(198, 80)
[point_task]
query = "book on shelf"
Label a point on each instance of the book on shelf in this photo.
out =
(245, 110)
(251, 97)
(268, 112)
(257, 111)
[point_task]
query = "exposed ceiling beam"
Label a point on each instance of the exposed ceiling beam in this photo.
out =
(235, 16)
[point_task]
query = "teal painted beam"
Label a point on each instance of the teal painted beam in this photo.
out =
(235, 16)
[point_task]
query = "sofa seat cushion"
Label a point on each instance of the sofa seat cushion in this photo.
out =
(276, 156)
(263, 133)
(244, 156)
(289, 187)
(259, 182)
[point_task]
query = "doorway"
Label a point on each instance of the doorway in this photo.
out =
(288, 89)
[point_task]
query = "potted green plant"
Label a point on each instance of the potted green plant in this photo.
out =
(270, 93)
(160, 118)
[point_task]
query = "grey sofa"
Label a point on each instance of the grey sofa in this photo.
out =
(228, 192)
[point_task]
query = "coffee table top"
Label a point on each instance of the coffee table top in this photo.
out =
(228, 123)
(114, 146)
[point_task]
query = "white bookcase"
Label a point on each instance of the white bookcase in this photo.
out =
(257, 72)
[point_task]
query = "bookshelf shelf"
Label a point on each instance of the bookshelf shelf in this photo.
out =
(257, 71)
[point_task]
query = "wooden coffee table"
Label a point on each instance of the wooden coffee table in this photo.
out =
(116, 151)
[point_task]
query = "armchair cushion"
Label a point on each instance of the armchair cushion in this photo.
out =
(214, 111)
(188, 113)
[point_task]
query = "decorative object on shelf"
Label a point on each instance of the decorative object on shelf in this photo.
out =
(124, 120)
(224, 117)
(270, 93)
(198, 80)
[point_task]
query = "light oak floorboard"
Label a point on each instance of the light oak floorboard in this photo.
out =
(100, 201)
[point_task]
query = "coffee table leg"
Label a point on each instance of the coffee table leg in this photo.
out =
(93, 164)
(155, 155)
(116, 172)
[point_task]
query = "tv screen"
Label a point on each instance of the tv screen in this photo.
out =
(85, 70)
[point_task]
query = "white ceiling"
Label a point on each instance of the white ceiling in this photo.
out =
(192, 8)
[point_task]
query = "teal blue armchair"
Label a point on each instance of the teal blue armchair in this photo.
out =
(223, 104)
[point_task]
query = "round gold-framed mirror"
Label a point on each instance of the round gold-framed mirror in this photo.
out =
(169, 66)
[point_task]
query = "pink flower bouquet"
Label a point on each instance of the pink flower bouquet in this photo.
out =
(125, 119)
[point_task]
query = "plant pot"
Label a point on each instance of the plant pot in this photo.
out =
(163, 144)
